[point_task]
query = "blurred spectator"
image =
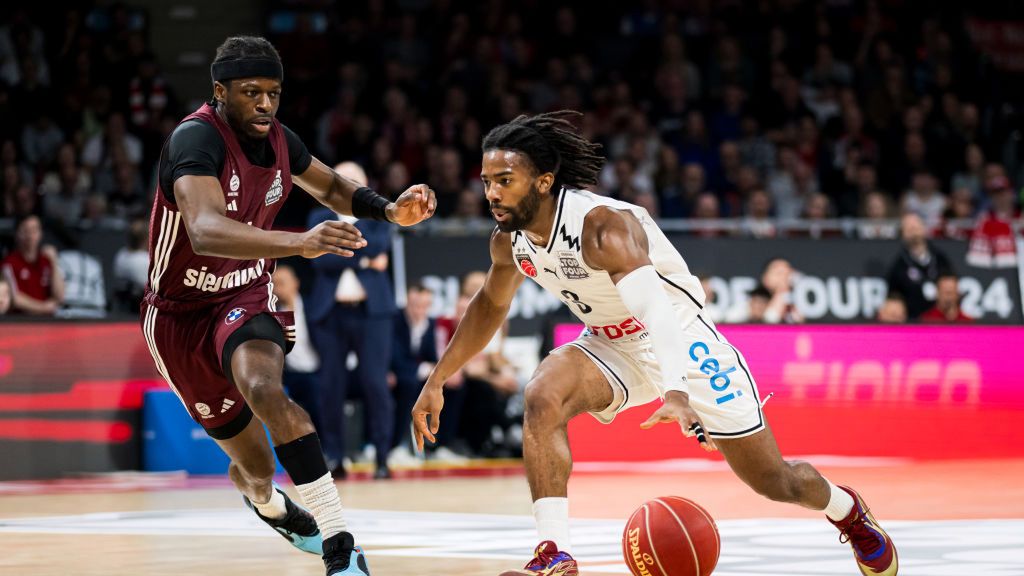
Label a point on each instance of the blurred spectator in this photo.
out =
(19, 39)
(757, 306)
(302, 364)
(775, 287)
(5, 296)
(490, 381)
(148, 94)
(758, 222)
(917, 267)
(65, 190)
(925, 199)
(993, 243)
(85, 294)
(693, 183)
(791, 184)
(413, 355)
(817, 211)
(103, 152)
(971, 175)
(778, 278)
(40, 141)
(958, 219)
(32, 271)
(947, 303)
(350, 310)
(876, 218)
(755, 149)
(893, 310)
(131, 265)
(706, 207)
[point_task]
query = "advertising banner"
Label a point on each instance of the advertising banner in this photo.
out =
(837, 280)
(71, 398)
(907, 391)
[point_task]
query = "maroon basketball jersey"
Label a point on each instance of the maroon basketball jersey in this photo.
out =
(181, 279)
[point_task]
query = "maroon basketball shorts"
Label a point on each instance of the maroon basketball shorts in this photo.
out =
(188, 347)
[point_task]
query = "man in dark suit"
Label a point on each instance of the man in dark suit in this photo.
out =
(413, 355)
(351, 309)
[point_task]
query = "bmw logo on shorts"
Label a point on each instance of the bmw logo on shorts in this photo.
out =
(234, 315)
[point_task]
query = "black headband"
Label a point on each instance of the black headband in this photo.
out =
(246, 68)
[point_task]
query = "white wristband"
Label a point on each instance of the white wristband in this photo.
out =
(644, 296)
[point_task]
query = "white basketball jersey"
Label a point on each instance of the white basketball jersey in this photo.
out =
(590, 294)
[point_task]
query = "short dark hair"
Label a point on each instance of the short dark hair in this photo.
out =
(22, 219)
(761, 291)
(419, 287)
(551, 142)
(246, 48)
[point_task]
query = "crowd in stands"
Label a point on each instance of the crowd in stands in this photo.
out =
(753, 118)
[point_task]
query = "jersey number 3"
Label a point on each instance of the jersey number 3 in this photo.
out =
(574, 299)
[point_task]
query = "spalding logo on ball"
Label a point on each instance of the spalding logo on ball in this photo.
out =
(671, 536)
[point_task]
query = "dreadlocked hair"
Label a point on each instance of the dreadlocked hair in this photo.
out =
(552, 143)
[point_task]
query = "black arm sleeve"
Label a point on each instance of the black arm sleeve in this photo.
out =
(298, 155)
(194, 149)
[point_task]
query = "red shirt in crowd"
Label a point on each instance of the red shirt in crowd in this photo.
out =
(937, 316)
(29, 278)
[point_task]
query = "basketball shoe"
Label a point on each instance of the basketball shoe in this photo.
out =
(343, 558)
(872, 548)
(297, 526)
(548, 561)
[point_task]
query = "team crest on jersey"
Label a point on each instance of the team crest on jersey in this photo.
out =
(204, 410)
(570, 266)
(234, 315)
(526, 265)
(234, 184)
(276, 190)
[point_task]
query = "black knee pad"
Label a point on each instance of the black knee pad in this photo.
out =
(260, 327)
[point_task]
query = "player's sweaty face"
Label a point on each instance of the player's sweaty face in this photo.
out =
(250, 105)
(510, 186)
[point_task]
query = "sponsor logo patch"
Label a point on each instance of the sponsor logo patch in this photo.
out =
(526, 265)
(234, 315)
(571, 267)
(276, 190)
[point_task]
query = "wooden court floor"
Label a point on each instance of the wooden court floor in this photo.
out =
(469, 526)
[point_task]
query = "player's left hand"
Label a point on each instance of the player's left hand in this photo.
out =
(677, 409)
(414, 206)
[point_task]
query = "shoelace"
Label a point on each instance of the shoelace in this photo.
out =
(857, 531)
(541, 559)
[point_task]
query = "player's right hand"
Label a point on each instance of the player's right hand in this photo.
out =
(677, 409)
(429, 403)
(332, 237)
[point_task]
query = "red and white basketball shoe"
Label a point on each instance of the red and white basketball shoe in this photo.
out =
(872, 548)
(548, 561)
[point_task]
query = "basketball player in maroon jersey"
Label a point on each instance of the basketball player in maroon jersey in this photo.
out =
(209, 311)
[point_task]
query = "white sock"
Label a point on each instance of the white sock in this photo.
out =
(552, 516)
(321, 497)
(840, 504)
(273, 508)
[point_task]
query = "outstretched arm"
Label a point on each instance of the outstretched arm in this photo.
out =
(201, 202)
(346, 196)
(485, 314)
(615, 241)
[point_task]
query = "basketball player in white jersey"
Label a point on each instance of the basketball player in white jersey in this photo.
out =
(647, 339)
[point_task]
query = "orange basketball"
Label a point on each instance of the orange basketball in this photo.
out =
(671, 536)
